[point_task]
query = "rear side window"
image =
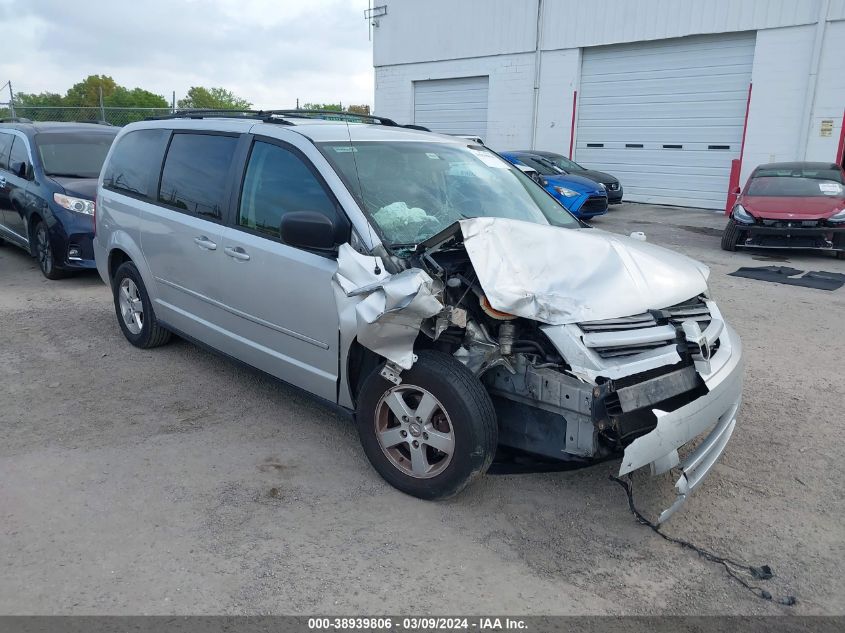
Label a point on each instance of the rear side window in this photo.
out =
(135, 162)
(195, 173)
(277, 182)
(5, 146)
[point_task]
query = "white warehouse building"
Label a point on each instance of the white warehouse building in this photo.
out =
(663, 94)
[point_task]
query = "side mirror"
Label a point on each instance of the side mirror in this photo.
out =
(18, 169)
(311, 230)
(738, 190)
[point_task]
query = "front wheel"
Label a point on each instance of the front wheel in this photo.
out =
(432, 434)
(44, 253)
(730, 237)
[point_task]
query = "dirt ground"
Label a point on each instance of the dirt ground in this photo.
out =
(172, 481)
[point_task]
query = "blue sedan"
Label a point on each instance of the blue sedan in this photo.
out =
(582, 197)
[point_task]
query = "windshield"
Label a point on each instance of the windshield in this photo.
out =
(78, 155)
(414, 190)
(800, 183)
(564, 163)
(543, 166)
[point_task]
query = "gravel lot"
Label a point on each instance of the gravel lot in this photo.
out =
(172, 481)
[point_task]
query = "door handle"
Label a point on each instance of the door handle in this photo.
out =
(237, 252)
(204, 242)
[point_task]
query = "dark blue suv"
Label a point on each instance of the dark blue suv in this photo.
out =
(48, 182)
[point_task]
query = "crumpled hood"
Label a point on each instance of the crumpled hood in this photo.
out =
(559, 276)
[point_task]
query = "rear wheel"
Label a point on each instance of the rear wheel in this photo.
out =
(44, 252)
(135, 311)
(730, 236)
(432, 434)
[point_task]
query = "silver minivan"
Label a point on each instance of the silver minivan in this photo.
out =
(422, 283)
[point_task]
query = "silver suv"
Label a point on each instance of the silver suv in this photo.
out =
(424, 284)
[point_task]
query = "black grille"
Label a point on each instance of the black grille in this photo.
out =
(786, 224)
(594, 204)
(694, 308)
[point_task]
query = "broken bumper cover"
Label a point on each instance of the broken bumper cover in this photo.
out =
(717, 411)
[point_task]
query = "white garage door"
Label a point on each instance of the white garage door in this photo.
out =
(666, 117)
(452, 106)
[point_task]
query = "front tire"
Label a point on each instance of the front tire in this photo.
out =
(135, 311)
(434, 433)
(730, 236)
(44, 253)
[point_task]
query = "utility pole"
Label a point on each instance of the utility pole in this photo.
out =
(297, 103)
(11, 99)
(102, 107)
(173, 103)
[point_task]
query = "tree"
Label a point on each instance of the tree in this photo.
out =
(337, 107)
(41, 100)
(212, 99)
(87, 92)
(359, 109)
(135, 98)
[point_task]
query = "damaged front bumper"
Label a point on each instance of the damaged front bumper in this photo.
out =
(716, 410)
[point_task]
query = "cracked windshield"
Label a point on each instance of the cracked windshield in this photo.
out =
(415, 190)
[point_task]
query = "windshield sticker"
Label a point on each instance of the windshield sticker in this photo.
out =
(344, 149)
(488, 159)
(830, 188)
(432, 155)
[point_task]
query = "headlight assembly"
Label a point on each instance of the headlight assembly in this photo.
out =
(79, 205)
(837, 218)
(567, 193)
(742, 216)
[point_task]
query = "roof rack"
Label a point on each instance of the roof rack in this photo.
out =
(279, 116)
(258, 115)
(334, 115)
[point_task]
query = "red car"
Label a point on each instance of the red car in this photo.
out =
(790, 205)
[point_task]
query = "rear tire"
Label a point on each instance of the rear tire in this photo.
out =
(447, 408)
(730, 236)
(135, 311)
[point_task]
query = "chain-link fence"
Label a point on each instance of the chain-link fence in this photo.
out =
(112, 116)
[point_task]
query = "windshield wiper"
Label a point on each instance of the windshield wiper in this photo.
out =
(63, 175)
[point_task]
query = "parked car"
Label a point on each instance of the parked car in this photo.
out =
(790, 205)
(582, 197)
(424, 285)
(48, 181)
(568, 166)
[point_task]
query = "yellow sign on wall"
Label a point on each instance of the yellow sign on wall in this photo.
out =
(826, 127)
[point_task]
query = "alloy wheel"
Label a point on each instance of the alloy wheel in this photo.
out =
(131, 307)
(414, 431)
(42, 246)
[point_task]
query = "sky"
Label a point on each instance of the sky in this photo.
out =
(270, 52)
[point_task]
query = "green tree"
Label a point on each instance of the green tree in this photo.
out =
(135, 98)
(86, 93)
(213, 99)
(41, 100)
(337, 107)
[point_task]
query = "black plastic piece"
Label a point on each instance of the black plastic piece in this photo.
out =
(819, 279)
(309, 230)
